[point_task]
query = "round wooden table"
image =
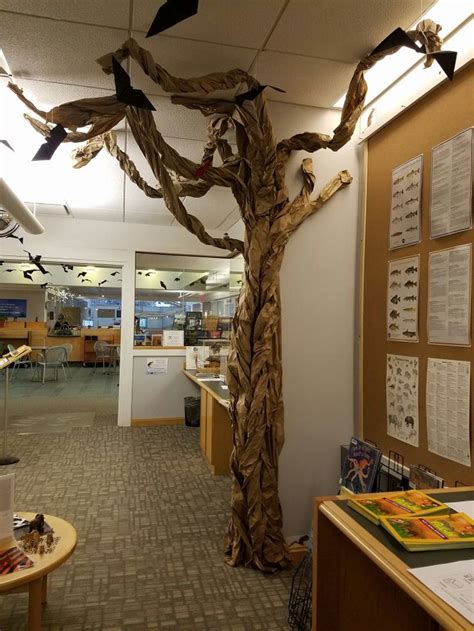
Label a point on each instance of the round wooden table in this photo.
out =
(34, 579)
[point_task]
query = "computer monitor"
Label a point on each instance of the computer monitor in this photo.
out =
(88, 323)
(143, 323)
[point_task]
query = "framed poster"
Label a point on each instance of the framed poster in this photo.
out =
(402, 299)
(405, 204)
(451, 185)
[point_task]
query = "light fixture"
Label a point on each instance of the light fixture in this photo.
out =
(5, 71)
(17, 210)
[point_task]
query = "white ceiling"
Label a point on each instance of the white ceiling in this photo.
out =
(307, 47)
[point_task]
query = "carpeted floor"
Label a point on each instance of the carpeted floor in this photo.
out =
(150, 520)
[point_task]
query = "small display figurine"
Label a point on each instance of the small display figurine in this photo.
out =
(37, 524)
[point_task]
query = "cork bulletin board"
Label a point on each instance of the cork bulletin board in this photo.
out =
(442, 114)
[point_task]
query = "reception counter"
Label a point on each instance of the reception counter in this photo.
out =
(215, 430)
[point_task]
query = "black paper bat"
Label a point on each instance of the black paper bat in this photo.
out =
(12, 236)
(86, 280)
(177, 279)
(7, 144)
(139, 273)
(83, 274)
(149, 274)
(252, 94)
(27, 273)
(125, 93)
(36, 260)
(103, 282)
(445, 58)
(9, 270)
(163, 285)
(43, 285)
(171, 13)
(67, 268)
(55, 138)
(114, 273)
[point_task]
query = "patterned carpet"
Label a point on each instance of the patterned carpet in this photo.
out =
(150, 520)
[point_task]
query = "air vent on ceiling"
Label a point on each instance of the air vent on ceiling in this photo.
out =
(50, 210)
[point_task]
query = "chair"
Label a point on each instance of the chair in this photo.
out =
(54, 357)
(103, 352)
(68, 348)
(24, 361)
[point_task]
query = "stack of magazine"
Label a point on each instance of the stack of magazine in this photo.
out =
(417, 521)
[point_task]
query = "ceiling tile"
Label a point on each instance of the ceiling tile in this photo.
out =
(151, 219)
(187, 58)
(345, 30)
(105, 13)
(244, 23)
(61, 52)
(307, 81)
(213, 208)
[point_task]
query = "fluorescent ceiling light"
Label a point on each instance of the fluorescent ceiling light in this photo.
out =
(448, 13)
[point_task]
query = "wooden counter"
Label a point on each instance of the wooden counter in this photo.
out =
(359, 582)
(215, 429)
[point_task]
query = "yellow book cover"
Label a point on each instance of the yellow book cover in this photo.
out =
(404, 503)
(431, 532)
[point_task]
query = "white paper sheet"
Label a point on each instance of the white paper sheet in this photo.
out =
(402, 398)
(156, 365)
(173, 338)
(449, 296)
(447, 409)
(402, 299)
(7, 490)
(452, 582)
(451, 185)
(463, 507)
(405, 208)
(196, 357)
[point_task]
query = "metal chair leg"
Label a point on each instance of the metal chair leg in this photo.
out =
(44, 372)
(64, 371)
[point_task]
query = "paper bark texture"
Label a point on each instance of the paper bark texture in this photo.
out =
(256, 176)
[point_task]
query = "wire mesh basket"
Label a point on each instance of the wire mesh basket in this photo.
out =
(299, 606)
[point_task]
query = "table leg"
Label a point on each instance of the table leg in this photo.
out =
(44, 590)
(34, 604)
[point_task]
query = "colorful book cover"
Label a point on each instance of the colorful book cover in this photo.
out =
(422, 479)
(360, 467)
(455, 530)
(12, 560)
(403, 504)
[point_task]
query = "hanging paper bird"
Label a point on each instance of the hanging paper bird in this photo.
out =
(43, 285)
(163, 285)
(35, 260)
(170, 13)
(86, 280)
(9, 270)
(139, 273)
(149, 274)
(52, 142)
(27, 273)
(13, 236)
(177, 279)
(67, 268)
(84, 274)
(103, 282)
(125, 93)
(7, 144)
(114, 273)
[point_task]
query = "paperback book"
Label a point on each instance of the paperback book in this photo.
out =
(422, 479)
(431, 532)
(12, 560)
(360, 467)
(400, 504)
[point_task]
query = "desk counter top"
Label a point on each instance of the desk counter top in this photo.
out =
(214, 387)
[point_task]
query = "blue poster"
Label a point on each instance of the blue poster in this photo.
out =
(12, 308)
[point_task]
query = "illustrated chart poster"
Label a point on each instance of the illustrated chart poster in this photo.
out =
(449, 296)
(402, 299)
(405, 204)
(402, 398)
(447, 409)
(451, 185)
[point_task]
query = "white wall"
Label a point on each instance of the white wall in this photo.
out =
(318, 292)
(34, 302)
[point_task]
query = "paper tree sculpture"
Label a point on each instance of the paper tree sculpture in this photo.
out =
(256, 176)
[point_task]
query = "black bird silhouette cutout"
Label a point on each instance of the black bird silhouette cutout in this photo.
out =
(52, 142)
(9, 270)
(86, 280)
(36, 260)
(114, 273)
(27, 273)
(139, 273)
(103, 282)
(163, 285)
(447, 60)
(170, 13)
(125, 93)
(83, 274)
(13, 236)
(149, 274)
(7, 144)
(252, 94)
(67, 268)
(43, 285)
(177, 279)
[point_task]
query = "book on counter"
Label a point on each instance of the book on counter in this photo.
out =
(360, 467)
(400, 504)
(421, 478)
(431, 532)
(12, 560)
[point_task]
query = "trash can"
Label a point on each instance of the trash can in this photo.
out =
(192, 411)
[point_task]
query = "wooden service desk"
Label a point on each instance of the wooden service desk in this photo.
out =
(34, 579)
(215, 430)
(361, 578)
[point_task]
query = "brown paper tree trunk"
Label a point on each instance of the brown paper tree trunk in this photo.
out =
(256, 176)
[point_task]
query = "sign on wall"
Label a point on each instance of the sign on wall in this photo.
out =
(12, 308)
